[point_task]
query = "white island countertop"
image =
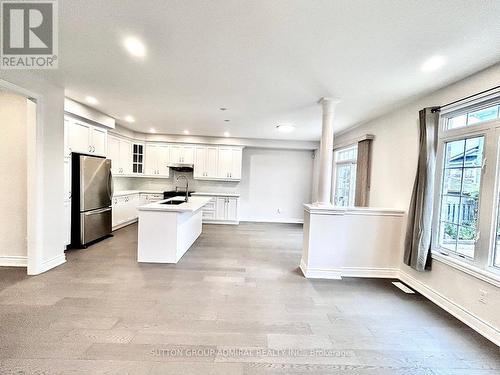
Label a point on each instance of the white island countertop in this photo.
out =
(202, 193)
(130, 192)
(193, 204)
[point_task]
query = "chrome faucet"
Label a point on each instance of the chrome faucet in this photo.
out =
(187, 185)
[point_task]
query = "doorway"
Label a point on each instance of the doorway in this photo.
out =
(18, 119)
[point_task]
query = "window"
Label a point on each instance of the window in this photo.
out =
(473, 117)
(467, 212)
(345, 162)
(461, 184)
(496, 259)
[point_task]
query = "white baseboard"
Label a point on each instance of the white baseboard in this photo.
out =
(383, 273)
(339, 273)
(51, 263)
(278, 221)
(13, 261)
(122, 225)
(318, 273)
(220, 222)
(473, 321)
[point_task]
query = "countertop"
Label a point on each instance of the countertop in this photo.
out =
(194, 204)
(197, 193)
(361, 211)
(200, 193)
(130, 192)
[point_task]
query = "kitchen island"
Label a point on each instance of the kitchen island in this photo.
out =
(168, 228)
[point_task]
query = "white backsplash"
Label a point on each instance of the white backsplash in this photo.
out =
(162, 184)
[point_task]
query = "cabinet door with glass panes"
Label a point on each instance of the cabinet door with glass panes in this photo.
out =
(138, 158)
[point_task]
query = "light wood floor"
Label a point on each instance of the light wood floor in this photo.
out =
(235, 304)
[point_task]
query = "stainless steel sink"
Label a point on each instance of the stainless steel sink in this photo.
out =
(173, 202)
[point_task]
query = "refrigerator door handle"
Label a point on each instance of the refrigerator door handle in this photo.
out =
(110, 185)
(99, 211)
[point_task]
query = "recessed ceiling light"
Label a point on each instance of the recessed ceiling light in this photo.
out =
(91, 100)
(223, 108)
(433, 63)
(186, 132)
(129, 118)
(135, 47)
(152, 130)
(226, 134)
(285, 128)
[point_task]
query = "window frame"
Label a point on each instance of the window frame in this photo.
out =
(488, 206)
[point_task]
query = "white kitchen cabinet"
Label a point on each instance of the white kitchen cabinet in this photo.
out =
(226, 209)
(124, 210)
(85, 138)
(221, 210)
(120, 153)
(205, 163)
(132, 204)
(157, 160)
(98, 142)
(229, 163)
(125, 157)
(67, 149)
(231, 209)
(78, 136)
(137, 158)
(114, 154)
(184, 154)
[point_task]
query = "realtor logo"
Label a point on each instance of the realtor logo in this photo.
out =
(29, 34)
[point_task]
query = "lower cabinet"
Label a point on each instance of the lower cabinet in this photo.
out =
(145, 198)
(124, 210)
(221, 210)
(125, 207)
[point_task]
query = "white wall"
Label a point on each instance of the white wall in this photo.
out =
(47, 249)
(395, 152)
(13, 173)
(272, 180)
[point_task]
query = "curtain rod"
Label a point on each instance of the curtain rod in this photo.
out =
(468, 97)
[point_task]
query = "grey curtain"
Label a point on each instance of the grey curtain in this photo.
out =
(419, 226)
(363, 173)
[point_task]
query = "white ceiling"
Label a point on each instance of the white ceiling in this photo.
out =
(267, 61)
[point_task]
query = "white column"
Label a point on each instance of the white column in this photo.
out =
(326, 152)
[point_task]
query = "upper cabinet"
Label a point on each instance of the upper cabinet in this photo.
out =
(229, 163)
(84, 138)
(137, 158)
(98, 137)
(205, 162)
(157, 160)
(183, 154)
(120, 153)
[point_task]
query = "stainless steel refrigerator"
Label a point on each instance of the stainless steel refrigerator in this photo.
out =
(92, 190)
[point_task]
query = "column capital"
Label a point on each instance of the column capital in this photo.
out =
(328, 103)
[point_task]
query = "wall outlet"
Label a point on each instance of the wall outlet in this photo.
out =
(483, 294)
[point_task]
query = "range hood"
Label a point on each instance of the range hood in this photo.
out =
(181, 167)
